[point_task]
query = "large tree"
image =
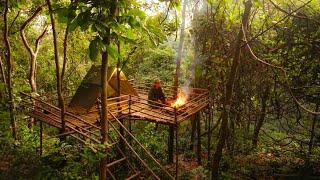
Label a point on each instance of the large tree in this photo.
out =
(57, 65)
(33, 52)
(229, 90)
(180, 47)
(9, 63)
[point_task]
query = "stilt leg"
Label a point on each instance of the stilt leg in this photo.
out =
(193, 132)
(170, 144)
(198, 138)
(41, 137)
(177, 152)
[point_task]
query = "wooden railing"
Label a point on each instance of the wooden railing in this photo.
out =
(52, 115)
(88, 131)
(198, 99)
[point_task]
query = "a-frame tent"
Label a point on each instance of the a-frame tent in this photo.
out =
(90, 89)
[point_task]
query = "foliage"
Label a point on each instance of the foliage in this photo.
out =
(147, 51)
(156, 63)
(152, 138)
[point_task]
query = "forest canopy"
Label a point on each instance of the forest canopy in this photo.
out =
(257, 60)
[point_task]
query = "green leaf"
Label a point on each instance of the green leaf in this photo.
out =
(112, 51)
(133, 22)
(74, 24)
(258, 3)
(94, 49)
(84, 21)
(210, 2)
(137, 12)
(126, 39)
(176, 4)
(62, 14)
(99, 28)
(102, 46)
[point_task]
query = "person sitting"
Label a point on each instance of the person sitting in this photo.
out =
(156, 94)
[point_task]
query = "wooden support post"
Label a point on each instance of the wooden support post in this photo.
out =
(197, 119)
(170, 143)
(177, 147)
(193, 132)
(203, 113)
(41, 137)
(209, 134)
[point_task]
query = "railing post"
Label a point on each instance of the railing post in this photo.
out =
(121, 130)
(129, 118)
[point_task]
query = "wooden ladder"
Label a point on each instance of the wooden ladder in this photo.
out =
(121, 160)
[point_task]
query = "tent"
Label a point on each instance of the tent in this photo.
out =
(90, 89)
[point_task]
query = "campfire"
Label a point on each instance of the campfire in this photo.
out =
(182, 98)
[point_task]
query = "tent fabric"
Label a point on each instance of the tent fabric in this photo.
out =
(90, 89)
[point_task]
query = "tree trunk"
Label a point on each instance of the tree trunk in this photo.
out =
(33, 55)
(193, 132)
(121, 130)
(104, 110)
(65, 57)
(9, 70)
(3, 75)
(260, 122)
(61, 85)
(104, 94)
(58, 75)
(314, 121)
(229, 91)
(180, 48)
(170, 144)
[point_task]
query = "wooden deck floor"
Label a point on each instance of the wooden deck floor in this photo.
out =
(136, 107)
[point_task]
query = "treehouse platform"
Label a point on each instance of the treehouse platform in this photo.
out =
(123, 107)
(83, 109)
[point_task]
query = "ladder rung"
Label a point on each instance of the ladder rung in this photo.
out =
(134, 176)
(116, 162)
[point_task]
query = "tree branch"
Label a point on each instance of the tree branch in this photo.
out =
(2, 71)
(42, 35)
(24, 25)
(36, 12)
(275, 24)
(14, 20)
(168, 9)
(291, 14)
(65, 49)
(281, 70)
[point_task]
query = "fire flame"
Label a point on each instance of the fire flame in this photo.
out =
(181, 99)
